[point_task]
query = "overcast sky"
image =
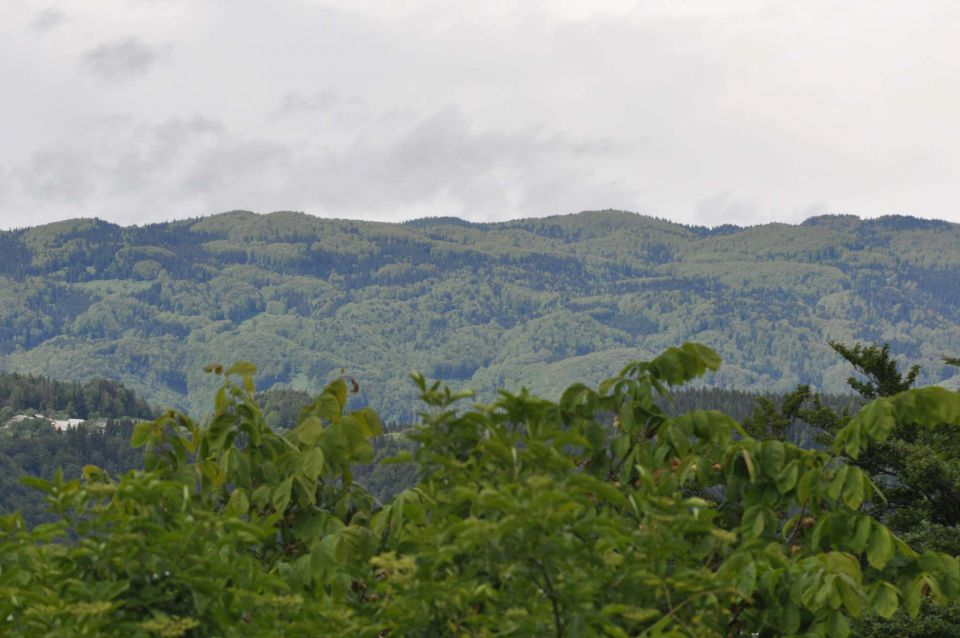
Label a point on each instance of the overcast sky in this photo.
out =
(701, 111)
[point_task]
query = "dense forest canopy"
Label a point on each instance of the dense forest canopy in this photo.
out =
(536, 302)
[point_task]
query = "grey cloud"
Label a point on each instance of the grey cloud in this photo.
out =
(48, 19)
(736, 111)
(722, 207)
(123, 60)
(437, 164)
(59, 176)
(154, 150)
(442, 161)
(164, 141)
(299, 102)
(113, 157)
(236, 164)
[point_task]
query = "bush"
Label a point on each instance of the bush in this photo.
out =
(595, 515)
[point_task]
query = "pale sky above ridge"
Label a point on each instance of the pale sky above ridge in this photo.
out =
(700, 111)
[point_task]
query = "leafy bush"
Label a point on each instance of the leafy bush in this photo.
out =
(598, 515)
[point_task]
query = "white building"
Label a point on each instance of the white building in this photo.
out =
(66, 424)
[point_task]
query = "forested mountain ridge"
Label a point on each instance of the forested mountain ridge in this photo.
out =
(537, 302)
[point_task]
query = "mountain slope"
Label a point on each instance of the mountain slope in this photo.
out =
(538, 302)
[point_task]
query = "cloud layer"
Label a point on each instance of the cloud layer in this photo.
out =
(122, 60)
(732, 111)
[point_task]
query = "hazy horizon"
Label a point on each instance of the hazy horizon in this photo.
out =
(498, 221)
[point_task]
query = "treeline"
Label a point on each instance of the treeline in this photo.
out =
(742, 405)
(33, 448)
(96, 398)
(41, 451)
(45, 452)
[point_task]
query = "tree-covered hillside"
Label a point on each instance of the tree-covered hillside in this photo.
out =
(32, 447)
(539, 302)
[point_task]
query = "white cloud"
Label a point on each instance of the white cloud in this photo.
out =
(123, 169)
(701, 111)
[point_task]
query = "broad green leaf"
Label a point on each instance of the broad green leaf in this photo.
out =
(141, 433)
(261, 496)
(338, 389)
(238, 504)
(880, 548)
(328, 407)
(676, 438)
(914, 594)
(789, 620)
(927, 407)
(826, 591)
(219, 428)
(772, 455)
(805, 485)
(724, 535)
(691, 360)
(371, 420)
(753, 522)
(787, 479)
(838, 625)
(835, 485)
(853, 488)
(281, 494)
(311, 463)
(876, 419)
(885, 600)
(747, 579)
(574, 396)
(241, 368)
(861, 535)
(310, 431)
(852, 600)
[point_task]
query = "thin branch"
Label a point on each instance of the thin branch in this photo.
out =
(552, 595)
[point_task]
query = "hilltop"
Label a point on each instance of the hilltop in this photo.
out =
(536, 302)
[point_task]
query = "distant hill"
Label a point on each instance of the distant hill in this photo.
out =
(536, 302)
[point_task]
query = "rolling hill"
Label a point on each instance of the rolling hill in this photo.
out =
(535, 302)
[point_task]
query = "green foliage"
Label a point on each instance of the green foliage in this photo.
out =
(43, 451)
(913, 453)
(31, 447)
(531, 517)
(282, 406)
(883, 377)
